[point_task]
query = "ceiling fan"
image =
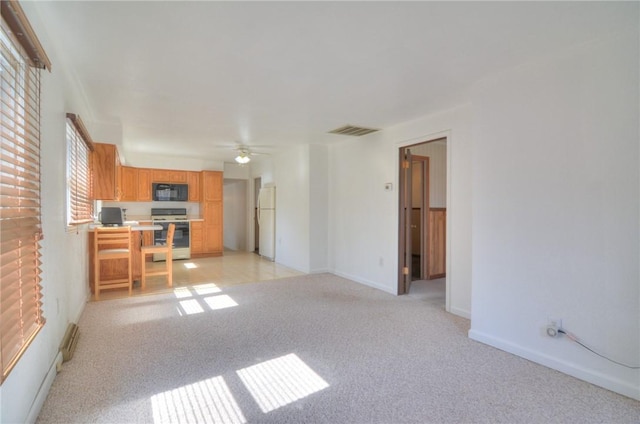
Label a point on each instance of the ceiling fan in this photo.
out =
(244, 154)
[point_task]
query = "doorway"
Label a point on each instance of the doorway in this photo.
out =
(235, 214)
(257, 185)
(422, 222)
(419, 216)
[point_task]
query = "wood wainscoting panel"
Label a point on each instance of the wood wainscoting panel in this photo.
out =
(437, 243)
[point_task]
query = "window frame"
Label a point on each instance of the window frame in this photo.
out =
(79, 192)
(22, 58)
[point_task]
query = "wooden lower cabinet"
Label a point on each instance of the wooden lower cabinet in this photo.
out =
(117, 268)
(197, 241)
(147, 236)
(212, 227)
(211, 210)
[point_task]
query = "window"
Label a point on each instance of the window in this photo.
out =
(79, 147)
(20, 230)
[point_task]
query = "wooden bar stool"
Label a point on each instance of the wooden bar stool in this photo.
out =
(167, 249)
(111, 243)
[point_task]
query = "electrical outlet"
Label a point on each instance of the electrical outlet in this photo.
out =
(555, 322)
(553, 325)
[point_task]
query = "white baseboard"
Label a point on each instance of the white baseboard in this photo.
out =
(80, 309)
(460, 312)
(365, 282)
(43, 391)
(593, 377)
(304, 271)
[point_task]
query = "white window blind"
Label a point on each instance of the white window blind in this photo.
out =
(79, 188)
(20, 230)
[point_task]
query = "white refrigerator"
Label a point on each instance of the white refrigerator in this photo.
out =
(267, 222)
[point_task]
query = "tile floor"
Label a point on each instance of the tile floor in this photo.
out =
(232, 268)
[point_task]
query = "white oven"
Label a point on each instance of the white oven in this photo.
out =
(181, 237)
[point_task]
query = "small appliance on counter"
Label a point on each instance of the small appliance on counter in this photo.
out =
(111, 217)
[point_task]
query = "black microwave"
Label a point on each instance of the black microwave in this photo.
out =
(170, 192)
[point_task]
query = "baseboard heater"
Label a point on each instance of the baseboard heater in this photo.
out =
(69, 342)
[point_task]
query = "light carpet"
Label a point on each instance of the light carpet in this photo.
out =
(310, 349)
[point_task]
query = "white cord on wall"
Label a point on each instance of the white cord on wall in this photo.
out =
(573, 338)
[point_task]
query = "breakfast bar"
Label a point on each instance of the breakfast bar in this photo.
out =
(117, 268)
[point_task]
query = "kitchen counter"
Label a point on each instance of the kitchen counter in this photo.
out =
(133, 224)
(118, 268)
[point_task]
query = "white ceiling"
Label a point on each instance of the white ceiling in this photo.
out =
(193, 78)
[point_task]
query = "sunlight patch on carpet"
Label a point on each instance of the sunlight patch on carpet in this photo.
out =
(207, 401)
(193, 300)
(220, 302)
(182, 292)
(281, 381)
(189, 265)
(190, 307)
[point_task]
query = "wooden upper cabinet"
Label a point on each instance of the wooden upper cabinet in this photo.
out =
(129, 184)
(169, 176)
(193, 179)
(111, 181)
(105, 164)
(162, 175)
(144, 184)
(179, 177)
(211, 186)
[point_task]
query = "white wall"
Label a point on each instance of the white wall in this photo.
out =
(235, 214)
(264, 170)
(318, 208)
(291, 178)
(236, 171)
(64, 254)
(555, 210)
(300, 177)
(363, 216)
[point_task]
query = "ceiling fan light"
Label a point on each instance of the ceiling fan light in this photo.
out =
(243, 158)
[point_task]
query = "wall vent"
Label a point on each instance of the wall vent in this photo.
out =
(353, 130)
(69, 342)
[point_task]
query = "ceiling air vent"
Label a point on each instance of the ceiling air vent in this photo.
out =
(352, 130)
